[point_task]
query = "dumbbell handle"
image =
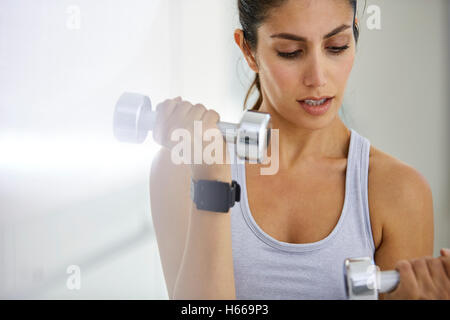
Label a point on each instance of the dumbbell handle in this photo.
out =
(388, 281)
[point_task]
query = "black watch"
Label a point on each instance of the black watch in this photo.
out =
(215, 196)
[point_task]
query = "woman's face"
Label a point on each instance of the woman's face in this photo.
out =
(316, 64)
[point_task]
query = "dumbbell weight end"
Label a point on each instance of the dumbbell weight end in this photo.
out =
(133, 118)
(364, 280)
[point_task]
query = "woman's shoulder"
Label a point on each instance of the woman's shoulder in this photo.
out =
(393, 176)
(397, 192)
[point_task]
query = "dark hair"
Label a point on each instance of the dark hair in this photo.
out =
(252, 14)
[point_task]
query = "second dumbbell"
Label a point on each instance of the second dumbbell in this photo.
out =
(364, 281)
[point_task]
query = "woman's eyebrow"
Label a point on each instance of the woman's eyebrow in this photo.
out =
(290, 36)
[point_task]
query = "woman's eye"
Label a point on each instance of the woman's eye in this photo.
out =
(289, 55)
(338, 50)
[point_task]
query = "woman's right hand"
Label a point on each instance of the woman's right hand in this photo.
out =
(175, 114)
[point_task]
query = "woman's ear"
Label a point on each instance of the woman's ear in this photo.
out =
(242, 44)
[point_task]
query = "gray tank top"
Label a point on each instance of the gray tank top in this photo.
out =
(265, 268)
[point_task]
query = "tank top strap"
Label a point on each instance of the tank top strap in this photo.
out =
(360, 168)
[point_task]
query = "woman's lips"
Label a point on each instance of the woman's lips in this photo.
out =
(316, 110)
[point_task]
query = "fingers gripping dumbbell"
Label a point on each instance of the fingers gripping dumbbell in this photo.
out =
(133, 118)
(364, 280)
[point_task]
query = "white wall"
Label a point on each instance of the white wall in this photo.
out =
(71, 195)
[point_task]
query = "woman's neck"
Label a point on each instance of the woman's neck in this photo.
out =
(298, 145)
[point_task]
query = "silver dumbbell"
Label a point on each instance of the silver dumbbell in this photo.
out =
(133, 118)
(364, 280)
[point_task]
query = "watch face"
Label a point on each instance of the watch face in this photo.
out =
(212, 196)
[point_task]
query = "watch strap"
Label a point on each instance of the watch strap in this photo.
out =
(216, 196)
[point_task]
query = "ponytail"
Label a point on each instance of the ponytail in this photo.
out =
(256, 84)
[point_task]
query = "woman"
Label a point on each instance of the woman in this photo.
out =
(334, 195)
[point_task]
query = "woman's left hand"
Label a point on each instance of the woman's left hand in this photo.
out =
(425, 279)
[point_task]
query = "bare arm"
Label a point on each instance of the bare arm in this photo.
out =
(201, 267)
(408, 230)
(170, 205)
(195, 246)
(403, 199)
(206, 270)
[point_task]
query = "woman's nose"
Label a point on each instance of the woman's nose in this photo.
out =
(314, 75)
